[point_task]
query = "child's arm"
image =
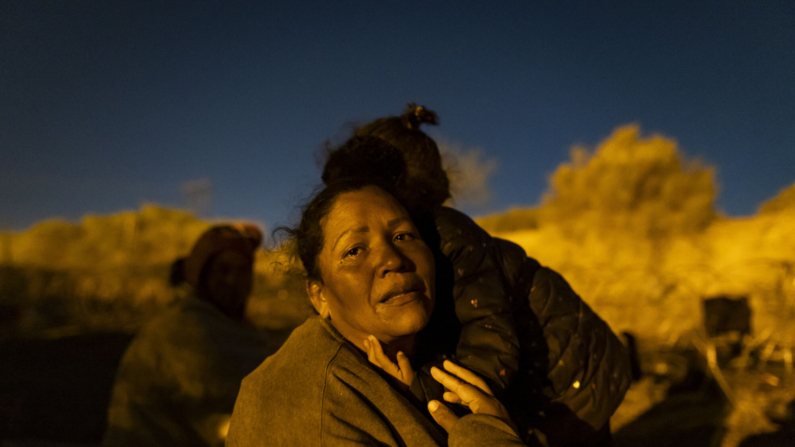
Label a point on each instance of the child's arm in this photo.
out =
(583, 363)
(488, 343)
(588, 368)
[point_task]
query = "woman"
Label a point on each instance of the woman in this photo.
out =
(178, 380)
(371, 279)
(558, 367)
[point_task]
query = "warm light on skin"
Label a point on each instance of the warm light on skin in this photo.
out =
(378, 275)
(223, 427)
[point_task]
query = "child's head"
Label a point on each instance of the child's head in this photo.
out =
(425, 179)
(365, 157)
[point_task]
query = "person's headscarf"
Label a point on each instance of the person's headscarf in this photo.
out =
(242, 238)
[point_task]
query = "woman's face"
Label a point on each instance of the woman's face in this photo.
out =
(377, 273)
(228, 282)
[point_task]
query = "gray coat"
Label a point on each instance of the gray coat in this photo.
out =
(178, 380)
(320, 390)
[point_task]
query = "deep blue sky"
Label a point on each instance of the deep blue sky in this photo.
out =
(106, 105)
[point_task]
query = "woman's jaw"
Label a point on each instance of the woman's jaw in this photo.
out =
(393, 317)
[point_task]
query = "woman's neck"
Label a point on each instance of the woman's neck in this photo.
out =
(405, 344)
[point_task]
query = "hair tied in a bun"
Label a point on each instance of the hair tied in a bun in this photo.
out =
(416, 115)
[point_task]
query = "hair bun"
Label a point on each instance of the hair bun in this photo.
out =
(416, 115)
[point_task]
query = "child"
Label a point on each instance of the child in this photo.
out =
(555, 364)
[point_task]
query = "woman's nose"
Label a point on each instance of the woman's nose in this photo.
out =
(391, 260)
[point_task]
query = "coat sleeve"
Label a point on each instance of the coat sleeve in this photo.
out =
(488, 343)
(477, 430)
(588, 370)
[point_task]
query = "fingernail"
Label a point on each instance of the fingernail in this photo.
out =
(367, 343)
(433, 405)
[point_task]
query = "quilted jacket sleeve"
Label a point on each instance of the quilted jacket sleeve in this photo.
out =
(488, 343)
(588, 367)
(520, 318)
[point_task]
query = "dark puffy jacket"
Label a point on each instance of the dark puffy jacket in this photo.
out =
(557, 366)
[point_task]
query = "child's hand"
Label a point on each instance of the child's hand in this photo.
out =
(468, 389)
(401, 371)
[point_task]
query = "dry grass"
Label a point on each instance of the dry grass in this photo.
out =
(679, 401)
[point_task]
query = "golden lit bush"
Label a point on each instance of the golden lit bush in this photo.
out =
(152, 235)
(633, 227)
(637, 185)
(514, 220)
(111, 272)
(784, 201)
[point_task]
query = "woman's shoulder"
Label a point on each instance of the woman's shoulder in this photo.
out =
(178, 318)
(319, 377)
(192, 324)
(314, 358)
(305, 356)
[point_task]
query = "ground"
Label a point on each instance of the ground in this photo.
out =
(54, 390)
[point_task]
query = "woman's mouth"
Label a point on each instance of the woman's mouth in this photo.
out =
(403, 295)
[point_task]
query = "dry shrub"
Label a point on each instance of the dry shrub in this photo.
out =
(784, 201)
(632, 225)
(643, 187)
(111, 273)
(469, 172)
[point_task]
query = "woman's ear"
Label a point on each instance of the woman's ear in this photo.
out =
(314, 289)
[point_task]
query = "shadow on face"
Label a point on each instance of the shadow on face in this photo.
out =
(228, 282)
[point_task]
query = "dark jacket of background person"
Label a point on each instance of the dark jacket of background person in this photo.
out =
(178, 380)
(320, 390)
(568, 373)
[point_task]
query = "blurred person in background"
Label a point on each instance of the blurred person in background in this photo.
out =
(178, 380)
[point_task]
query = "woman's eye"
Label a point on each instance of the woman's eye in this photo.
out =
(352, 252)
(404, 237)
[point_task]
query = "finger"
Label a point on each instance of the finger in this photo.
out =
(468, 395)
(451, 397)
(383, 361)
(462, 389)
(371, 353)
(471, 396)
(442, 415)
(404, 363)
(467, 376)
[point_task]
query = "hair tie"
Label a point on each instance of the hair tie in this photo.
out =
(417, 115)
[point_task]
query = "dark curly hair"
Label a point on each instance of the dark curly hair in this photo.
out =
(424, 181)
